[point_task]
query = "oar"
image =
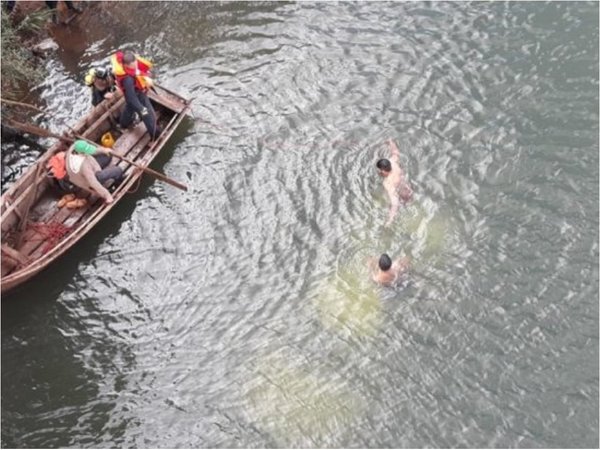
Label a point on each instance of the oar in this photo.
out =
(33, 129)
(25, 105)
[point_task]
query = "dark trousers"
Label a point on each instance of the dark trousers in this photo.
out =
(114, 172)
(149, 119)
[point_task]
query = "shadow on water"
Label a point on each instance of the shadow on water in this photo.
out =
(71, 395)
(57, 375)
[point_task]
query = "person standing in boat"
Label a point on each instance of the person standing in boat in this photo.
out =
(88, 167)
(395, 182)
(102, 83)
(132, 74)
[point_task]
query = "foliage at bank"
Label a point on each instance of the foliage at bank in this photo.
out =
(20, 69)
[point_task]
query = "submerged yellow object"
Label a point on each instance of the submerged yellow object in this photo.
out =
(348, 301)
(298, 405)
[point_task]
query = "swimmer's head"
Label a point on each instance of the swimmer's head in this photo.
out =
(385, 262)
(384, 166)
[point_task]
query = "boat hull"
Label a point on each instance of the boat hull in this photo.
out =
(135, 144)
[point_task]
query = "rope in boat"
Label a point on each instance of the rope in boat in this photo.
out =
(52, 232)
(137, 186)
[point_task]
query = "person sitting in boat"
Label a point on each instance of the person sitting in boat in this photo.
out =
(387, 272)
(88, 167)
(132, 74)
(395, 182)
(102, 83)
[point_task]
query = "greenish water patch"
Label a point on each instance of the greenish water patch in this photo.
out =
(297, 407)
(348, 301)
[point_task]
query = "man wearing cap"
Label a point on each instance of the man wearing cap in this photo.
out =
(102, 83)
(88, 168)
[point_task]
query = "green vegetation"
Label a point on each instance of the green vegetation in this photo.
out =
(19, 66)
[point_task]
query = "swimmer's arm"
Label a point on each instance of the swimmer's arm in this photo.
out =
(395, 152)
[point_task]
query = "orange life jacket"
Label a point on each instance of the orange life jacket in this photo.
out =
(57, 166)
(139, 74)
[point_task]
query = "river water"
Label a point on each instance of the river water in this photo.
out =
(240, 313)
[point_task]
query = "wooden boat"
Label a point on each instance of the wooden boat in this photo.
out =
(35, 231)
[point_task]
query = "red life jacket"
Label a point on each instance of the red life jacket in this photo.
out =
(140, 74)
(57, 166)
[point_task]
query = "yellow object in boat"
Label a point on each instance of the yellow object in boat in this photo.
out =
(107, 140)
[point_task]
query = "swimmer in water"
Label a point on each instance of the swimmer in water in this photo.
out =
(395, 183)
(386, 272)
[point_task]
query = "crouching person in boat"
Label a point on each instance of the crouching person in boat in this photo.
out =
(88, 167)
(102, 84)
(132, 74)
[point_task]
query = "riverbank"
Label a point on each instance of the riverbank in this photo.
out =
(68, 37)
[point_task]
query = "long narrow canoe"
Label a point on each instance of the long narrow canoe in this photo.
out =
(35, 231)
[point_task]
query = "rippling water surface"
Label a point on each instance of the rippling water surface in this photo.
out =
(240, 314)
